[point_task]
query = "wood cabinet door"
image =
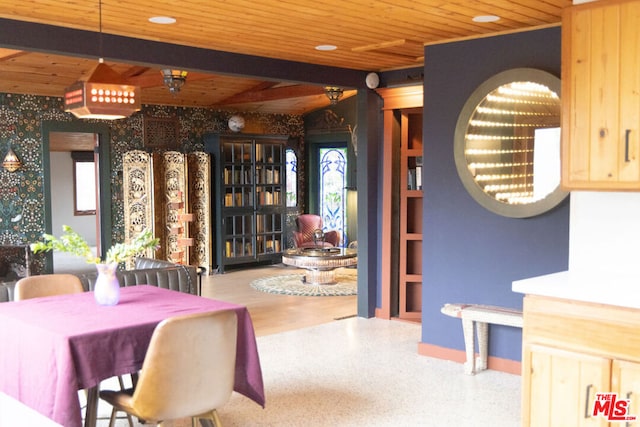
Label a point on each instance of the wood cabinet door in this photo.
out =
(625, 380)
(601, 97)
(559, 387)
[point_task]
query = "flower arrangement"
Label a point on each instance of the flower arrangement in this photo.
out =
(71, 242)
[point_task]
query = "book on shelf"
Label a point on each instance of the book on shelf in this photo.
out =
(411, 179)
(419, 177)
(265, 197)
(272, 246)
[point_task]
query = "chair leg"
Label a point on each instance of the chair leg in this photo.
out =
(122, 387)
(112, 418)
(216, 418)
(210, 416)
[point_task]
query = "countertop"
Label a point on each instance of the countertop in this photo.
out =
(600, 287)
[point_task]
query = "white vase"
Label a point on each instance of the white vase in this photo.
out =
(107, 288)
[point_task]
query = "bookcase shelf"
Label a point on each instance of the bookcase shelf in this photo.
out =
(249, 199)
(402, 199)
(411, 196)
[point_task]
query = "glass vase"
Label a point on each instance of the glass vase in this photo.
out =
(107, 288)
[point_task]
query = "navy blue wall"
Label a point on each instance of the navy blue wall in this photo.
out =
(471, 255)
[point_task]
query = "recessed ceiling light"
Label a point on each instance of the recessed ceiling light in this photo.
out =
(162, 20)
(486, 18)
(326, 47)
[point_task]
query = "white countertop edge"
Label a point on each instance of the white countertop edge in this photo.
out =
(599, 287)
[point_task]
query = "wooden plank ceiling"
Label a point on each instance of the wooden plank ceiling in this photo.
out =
(370, 35)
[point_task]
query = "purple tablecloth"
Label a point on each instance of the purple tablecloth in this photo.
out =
(52, 347)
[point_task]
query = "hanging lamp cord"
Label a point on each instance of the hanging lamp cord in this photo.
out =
(100, 44)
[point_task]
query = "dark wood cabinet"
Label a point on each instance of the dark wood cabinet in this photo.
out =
(249, 197)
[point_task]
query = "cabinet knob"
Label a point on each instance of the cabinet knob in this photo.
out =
(603, 132)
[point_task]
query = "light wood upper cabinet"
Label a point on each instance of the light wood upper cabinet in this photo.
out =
(601, 96)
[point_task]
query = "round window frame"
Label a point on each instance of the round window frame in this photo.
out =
(528, 210)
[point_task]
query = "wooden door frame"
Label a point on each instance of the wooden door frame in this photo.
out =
(395, 99)
(104, 208)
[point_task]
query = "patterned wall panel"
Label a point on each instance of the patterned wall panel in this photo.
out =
(137, 177)
(199, 182)
(21, 118)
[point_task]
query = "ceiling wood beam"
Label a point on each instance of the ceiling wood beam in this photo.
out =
(66, 41)
(8, 54)
(272, 94)
(376, 46)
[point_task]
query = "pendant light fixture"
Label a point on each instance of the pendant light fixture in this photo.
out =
(333, 93)
(104, 94)
(11, 161)
(173, 79)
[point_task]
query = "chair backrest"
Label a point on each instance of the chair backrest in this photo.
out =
(45, 285)
(306, 224)
(189, 368)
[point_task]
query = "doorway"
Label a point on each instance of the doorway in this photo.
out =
(73, 201)
(330, 173)
(332, 189)
(89, 142)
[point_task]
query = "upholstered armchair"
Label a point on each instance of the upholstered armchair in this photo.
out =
(307, 224)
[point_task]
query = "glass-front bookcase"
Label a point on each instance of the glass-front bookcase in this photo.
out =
(249, 197)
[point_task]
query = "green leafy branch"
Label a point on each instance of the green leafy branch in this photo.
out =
(71, 242)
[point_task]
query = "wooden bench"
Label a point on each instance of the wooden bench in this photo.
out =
(477, 317)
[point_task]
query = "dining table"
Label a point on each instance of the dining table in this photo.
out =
(51, 347)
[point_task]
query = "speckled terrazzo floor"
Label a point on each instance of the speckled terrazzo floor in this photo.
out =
(367, 372)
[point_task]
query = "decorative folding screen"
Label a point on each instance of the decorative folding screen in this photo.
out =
(199, 168)
(170, 191)
(137, 186)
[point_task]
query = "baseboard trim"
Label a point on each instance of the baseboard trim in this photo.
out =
(459, 356)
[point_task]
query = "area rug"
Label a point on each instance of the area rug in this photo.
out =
(292, 284)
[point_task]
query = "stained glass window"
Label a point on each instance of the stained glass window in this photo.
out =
(292, 177)
(333, 167)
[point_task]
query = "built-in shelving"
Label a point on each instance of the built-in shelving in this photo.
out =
(411, 195)
(402, 199)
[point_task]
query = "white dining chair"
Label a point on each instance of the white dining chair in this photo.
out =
(188, 371)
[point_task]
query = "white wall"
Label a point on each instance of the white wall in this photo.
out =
(604, 232)
(62, 200)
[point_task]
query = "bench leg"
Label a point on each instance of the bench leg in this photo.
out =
(482, 329)
(469, 346)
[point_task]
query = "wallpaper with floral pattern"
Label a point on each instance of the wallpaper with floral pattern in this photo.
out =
(22, 217)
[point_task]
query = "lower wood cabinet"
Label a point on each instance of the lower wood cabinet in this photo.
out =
(571, 352)
(562, 386)
(625, 380)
